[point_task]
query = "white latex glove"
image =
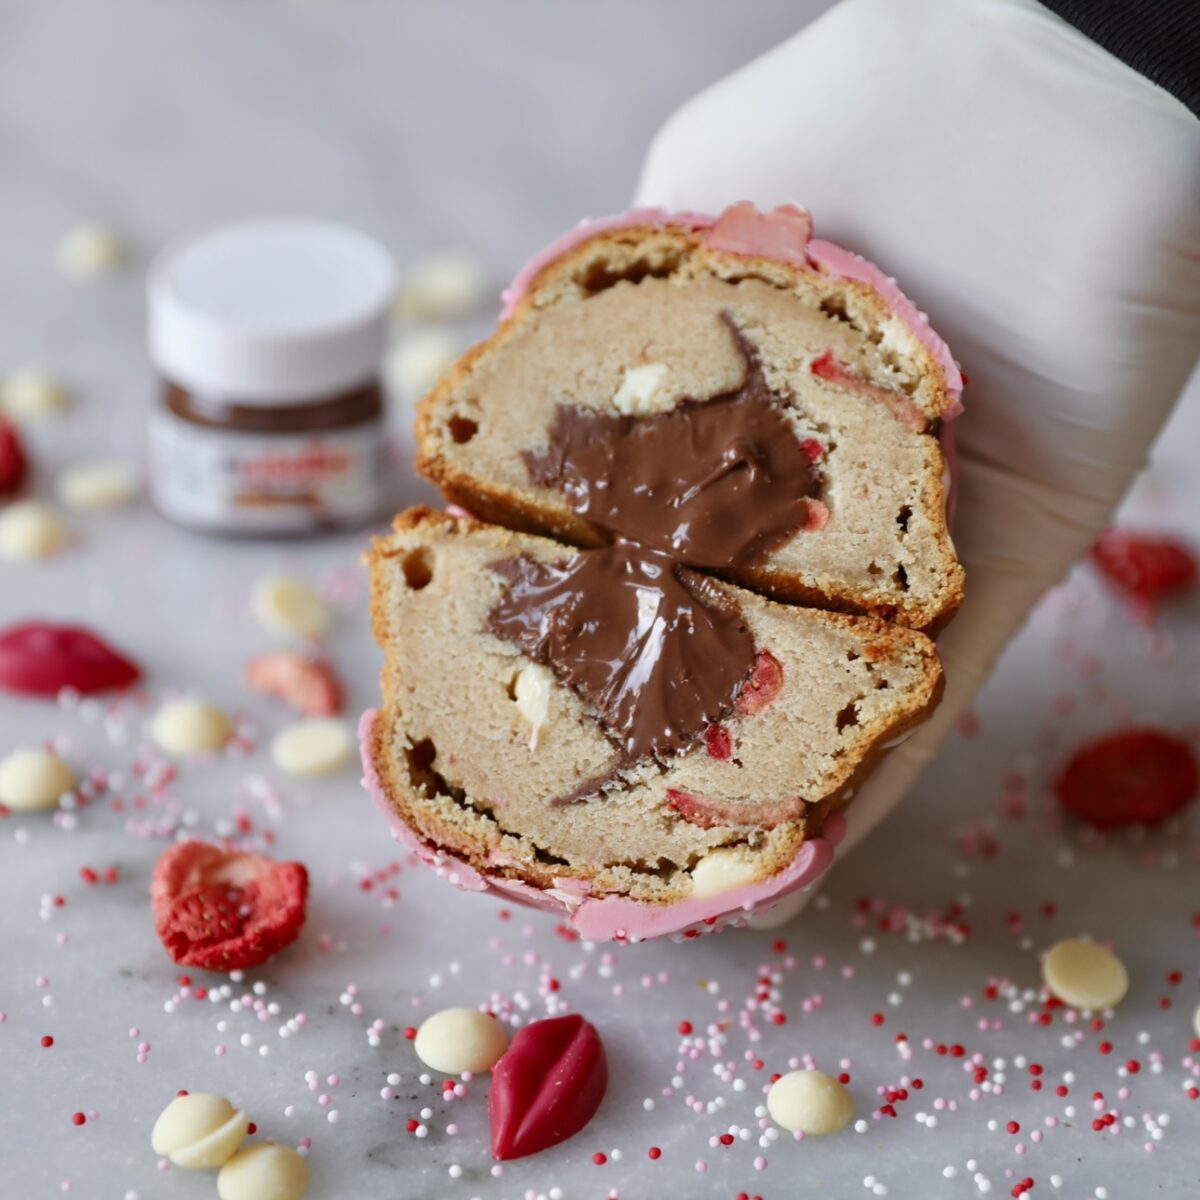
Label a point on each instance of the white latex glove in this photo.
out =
(1042, 202)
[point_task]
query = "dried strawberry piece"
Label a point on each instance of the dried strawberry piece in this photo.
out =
(1136, 777)
(13, 463)
(831, 368)
(308, 684)
(1143, 566)
(41, 659)
(763, 685)
(718, 743)
(546, 1086)
(707, 813)
(223, 910)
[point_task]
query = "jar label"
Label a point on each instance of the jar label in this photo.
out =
(266, 483)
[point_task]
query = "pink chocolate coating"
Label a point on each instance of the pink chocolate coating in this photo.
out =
(784, 234)
(607, 918)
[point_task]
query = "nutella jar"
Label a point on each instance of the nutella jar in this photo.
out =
(268, 337)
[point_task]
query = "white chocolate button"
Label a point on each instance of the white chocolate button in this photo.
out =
(190, 726)
(31, 393)
(314, 747)
(265, 1172)
(1085, 975)
(33, 779)
(780, 913)
(443, 286)
(415, 363)
(639, 385)
(199, 1131)
(460, 1039)
(810, 1102)
(290, 608)
(87, 251)
(30, 529)
(531, 690)
(722, 871)
(91, 486)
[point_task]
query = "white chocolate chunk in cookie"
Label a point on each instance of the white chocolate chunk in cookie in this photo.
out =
(722, 870)
(531, 690)
(639, 387)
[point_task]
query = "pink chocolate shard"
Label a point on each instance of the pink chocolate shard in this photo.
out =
(707, 813)
(782, 234)
(547, 1086)
(40, 659)
(833, 370)
(763, 685)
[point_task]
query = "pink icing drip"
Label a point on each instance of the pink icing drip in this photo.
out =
(606, 918)
(784, 234)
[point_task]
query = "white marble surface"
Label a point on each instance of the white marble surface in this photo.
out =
(494, 126)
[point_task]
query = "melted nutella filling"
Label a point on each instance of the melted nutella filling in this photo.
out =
(714, 483)
(657, 652)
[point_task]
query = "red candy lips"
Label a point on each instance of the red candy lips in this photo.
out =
(222, 910)
(1137, 777)
(547, 1086)
(40, 659)
(13, 464)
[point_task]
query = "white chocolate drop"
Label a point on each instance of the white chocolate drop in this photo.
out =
(1085, 975)
(33, 779)
(444, 285)
(290, 608)
(639, 386)
(721, 871)
(314, 747)
(31, 394)
(30, 529)
(415, 363)
(460, 1039)
(87, 251)
(92, 486)
(199, 1131)
(810, 1102)
(531, 691)
(190, 726)
(268, 1171)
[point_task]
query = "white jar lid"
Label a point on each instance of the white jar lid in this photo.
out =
(273, 311)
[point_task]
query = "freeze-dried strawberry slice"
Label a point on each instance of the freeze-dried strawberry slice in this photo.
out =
(708, 813)
(13, 463)
(1136, 777)
(41, 659)
(718, 743)
(224, 909)
(1143, 566)
(308, 684)
(546, 1086)
(763, 685)
(830, 368)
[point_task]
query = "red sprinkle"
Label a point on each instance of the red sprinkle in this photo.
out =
(599, 1158)
(685, 1027)
(47, 1042)
(1013, 1127)
(654, 1153)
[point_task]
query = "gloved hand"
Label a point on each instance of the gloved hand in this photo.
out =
(1042, 202)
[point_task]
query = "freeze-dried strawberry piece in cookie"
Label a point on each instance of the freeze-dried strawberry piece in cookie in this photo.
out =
(40, 659)
(718, 743)
(830, 368)
(707, 813)
(1136, 777)
(222, 910)
(13, 464)
(1144, 567)
(306, 683)
(763, 685)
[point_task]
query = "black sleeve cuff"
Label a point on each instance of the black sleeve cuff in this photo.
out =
(1157, 38)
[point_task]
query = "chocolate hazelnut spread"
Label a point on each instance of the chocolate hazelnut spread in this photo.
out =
(656, 651)
(714, 483)
(268, 336)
